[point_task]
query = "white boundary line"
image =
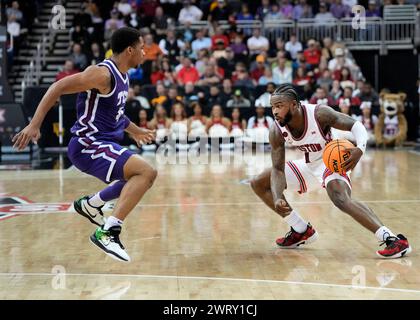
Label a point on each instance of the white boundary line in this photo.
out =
(262, 203)
(145, 276)
(210, 204)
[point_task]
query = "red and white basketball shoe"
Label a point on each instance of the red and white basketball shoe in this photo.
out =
(396, 247)
(294, 239)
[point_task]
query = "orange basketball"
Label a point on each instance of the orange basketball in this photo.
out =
(334, 154)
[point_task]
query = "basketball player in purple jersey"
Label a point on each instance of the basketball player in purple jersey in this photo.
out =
(94, 147)
(308, 127)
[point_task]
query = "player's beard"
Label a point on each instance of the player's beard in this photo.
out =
(287, 119)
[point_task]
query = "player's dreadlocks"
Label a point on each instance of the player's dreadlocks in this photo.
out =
(286, 90)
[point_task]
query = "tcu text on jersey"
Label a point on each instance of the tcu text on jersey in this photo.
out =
(100, 116)
(122, 97)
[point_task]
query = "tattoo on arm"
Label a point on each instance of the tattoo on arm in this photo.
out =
(329, 118)
(278, 178)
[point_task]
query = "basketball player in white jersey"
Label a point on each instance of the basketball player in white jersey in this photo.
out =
(308, 127)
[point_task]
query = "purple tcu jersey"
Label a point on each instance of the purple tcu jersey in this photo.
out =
(100, 116)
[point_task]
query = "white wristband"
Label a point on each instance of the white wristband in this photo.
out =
(360, 134)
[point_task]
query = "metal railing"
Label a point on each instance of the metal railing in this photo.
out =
(400, 12)
(372, 34)
(33, 71)
(274, 29)
(404, 33)
(196, 25)
(399, 29)
(32, 75)
(311, 28)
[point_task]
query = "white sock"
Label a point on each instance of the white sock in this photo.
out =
(112, 222)
(96, 201)
(296, 222)
(383, 232)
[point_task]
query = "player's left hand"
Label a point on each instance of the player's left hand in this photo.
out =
(355, 155)
(143, 136)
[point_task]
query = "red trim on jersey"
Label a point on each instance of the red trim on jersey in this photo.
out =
(328, 172)
(325, 173)
(326, 137)
(303, 179)
(299, 176)
(347, 177)
(305, 116)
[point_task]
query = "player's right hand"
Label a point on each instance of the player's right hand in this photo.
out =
(144, 136)
(22, 138)
(282, 206)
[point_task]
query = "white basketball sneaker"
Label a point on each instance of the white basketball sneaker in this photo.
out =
(93, 214)
(109, 242)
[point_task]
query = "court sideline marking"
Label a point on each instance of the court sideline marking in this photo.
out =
(344, 286)
(36, 208)
(262, 203)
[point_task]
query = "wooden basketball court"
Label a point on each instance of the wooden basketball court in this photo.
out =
(201, 233)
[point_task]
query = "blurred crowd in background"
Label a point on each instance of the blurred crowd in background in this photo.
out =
(217, 81)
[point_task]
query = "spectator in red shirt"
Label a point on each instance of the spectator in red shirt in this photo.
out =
(312, 54)
(219, 35)
(162, 73)
(342, 74)
(146, 11)
(188, 73)
(68, 70)
(157, 73)
(347, 99)
(321, 97)
(258, 71)
(301, 78)
(345, 78)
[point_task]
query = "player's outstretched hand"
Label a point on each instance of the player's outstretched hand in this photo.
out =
(355, 155)
(22, 138)
(143, 136)
(282, 206)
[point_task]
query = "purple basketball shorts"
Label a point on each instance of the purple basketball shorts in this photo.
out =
(104, 160)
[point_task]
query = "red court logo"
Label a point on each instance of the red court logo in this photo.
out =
(7, 202)
(14, 205)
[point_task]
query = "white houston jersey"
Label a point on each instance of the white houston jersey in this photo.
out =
(313, 140)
